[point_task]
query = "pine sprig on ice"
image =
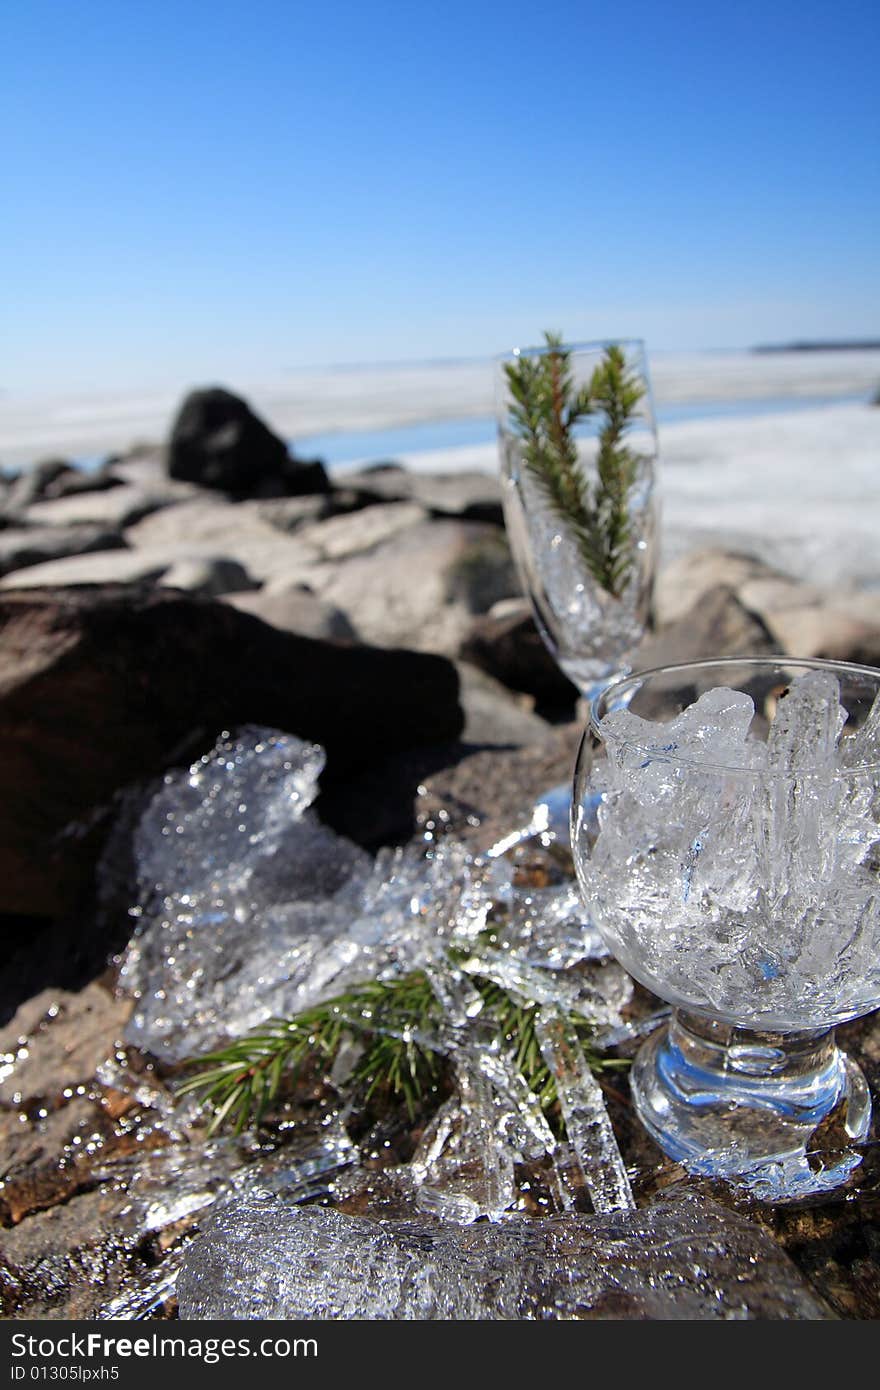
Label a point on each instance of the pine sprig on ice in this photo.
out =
(395, 1022)
(546, 408)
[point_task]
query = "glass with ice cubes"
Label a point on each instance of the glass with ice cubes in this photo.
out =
(735, 872)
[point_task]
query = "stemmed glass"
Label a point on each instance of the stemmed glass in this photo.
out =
(736, 874)
(578, 445)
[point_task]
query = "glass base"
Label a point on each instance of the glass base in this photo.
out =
(778, 1112)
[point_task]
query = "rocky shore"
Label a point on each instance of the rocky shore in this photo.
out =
(218, 582)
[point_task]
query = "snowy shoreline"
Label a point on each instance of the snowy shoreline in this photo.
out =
(300, 404)
(800, 487)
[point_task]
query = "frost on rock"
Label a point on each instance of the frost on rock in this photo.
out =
(683, 1259)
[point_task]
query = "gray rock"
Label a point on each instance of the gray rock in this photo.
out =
(98, 567)
(420, 588)
(681, 585)
(201, 518)
(31, 486)
(483, 796)
(66, 1035)
(206, 526)
(471, 496)
(296, 609)
(830, 630)
(146, 467)
(22, 546)
(290, 513)
(204, 573)
(115, 507)
(492, 716)
(718, 624)
(211, 575)
(357, 533)
(682, 1259)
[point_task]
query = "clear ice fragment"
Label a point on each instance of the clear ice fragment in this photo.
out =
(682, 1258)
(246, 900)
(586, 1118)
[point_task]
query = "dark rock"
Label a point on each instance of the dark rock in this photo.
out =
(218, 442)
(506, 643)
(101, 687)
(471, 496)
(377, 805)
(23, 546)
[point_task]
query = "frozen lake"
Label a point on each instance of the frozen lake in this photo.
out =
(779, 453)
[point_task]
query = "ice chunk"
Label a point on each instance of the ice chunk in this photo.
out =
(685, 1258)
(549, 928)
(743, 882)
(465, 1164)
(714, 728)
(245, 898)
(583, 1109)
(806, 725)
(798, 819)
(863, 747)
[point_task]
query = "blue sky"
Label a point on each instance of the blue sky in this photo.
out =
(232, 190)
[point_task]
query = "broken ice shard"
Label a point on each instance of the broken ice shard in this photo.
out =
(244, 896)
(799, 829)
(684, 1258)
(583, 1110)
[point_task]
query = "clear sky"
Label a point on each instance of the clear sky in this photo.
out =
(231, 190)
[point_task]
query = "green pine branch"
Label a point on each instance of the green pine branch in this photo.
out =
(393, 1022)
(545, 409)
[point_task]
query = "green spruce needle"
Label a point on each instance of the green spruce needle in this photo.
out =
(395, 1022)
(546, 407)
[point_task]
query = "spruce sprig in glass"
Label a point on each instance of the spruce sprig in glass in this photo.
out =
(547, 407)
